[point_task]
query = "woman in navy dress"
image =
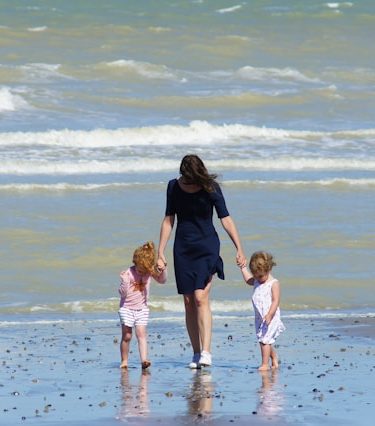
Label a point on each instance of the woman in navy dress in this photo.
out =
(196, 251)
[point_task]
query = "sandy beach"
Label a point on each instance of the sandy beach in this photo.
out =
(67, 371)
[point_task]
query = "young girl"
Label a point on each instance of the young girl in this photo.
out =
(266, 299)
(134, 290)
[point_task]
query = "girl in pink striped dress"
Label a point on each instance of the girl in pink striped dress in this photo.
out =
(134, 291)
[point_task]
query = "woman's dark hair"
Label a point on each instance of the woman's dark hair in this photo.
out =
(193, 170)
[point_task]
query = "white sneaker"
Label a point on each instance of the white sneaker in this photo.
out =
(206, 359)
(195, 361)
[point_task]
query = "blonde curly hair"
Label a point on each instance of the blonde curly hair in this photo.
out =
(144, 258)
(261, 262)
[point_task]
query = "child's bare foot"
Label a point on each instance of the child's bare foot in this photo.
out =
(124, 364)
(264, 367)
(274, 359)
(275, 363)
(145, 364)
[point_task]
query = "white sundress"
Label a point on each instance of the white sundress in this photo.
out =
(262, 299)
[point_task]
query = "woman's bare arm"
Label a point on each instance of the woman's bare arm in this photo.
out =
(165, 233)
(231, 230)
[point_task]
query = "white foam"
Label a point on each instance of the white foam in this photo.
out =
(52, 322)
(180, 318)
(159, 29)
(295, 164)
(66, 187)
(37, 71)
(63, 186)
(41, 66)
(86, 167)
(322, 314)
(145, 69)
(168, 305)
(336, 6)
(10, 101)
(42, 308)
(151, 165)
(37, 29)
(257, 73)
(321, 182)
(196, 133)
(173, 304)
(230, 9)
(257, 143)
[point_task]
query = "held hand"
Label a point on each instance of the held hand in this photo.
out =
(240, 259)
(161, 263)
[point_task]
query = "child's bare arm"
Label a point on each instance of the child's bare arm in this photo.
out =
(247, 276)
(275, 291)
(124, 284)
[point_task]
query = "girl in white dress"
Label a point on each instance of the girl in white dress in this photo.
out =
(266, 299)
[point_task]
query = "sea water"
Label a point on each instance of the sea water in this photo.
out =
(99, 101)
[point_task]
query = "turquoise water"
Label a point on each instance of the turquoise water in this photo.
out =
(85, 64)
(99, 102)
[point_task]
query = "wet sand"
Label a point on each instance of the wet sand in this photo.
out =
(68, 372)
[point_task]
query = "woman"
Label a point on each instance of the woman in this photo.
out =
(196, 249)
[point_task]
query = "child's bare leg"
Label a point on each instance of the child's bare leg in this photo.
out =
(266, 352)
(141, 332)
(126, 336)
(274, 358)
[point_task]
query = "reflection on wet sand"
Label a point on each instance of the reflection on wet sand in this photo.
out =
(200, 394)
(134, 396)
(271, 399)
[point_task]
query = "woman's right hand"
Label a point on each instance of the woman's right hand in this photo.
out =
(161, 263)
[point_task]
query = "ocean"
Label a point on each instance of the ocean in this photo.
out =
(99, 101)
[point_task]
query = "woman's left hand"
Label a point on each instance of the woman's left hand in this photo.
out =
(240, 259)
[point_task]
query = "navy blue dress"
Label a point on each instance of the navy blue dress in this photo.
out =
(196, 249)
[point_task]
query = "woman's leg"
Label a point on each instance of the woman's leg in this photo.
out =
(204, 316)
(126, 336)
(191, 319)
